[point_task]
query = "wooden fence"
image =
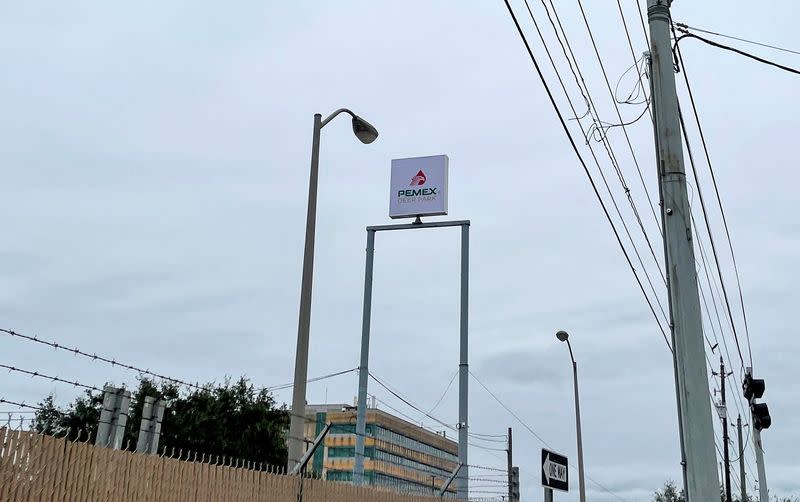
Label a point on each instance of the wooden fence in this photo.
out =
(34, 467)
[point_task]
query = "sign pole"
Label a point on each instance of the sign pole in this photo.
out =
(548, 495)
(463, 369)
(462, 479)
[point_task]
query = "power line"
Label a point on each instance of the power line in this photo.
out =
(641, 18)
(585, 167)
(310, 380)
(710, 233)
(719, 199)
(600, 125)
(633, 55)
(603, 126)
(530, 429)
(427, 414)
(439, 401)
(409, 403)
(619, 114)
(686, 34)
(687, 27)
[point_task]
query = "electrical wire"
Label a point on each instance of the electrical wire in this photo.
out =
(598, 123)
(619, 114)
(409, 403)
(686, 34)
(710, 233)
(633, 53)
(641, 18)
(719, 199)
(441, 398)
(417, 408)
(583, 164)
(703, 255)
(310, 380)
(530, 429)
(606, 144)
(687, 27)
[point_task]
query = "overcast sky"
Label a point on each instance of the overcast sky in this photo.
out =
(155, 168)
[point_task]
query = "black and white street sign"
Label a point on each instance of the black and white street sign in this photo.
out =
(555, 471)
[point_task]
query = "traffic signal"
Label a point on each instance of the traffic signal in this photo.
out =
(753, 389)
(761, 418)
(514, 484)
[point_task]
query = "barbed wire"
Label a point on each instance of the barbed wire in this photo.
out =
(114, 363)
(95, 357)
(23, 404)
(34, 374)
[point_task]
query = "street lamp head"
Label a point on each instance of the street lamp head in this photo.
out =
(364, 131)
(562, 335)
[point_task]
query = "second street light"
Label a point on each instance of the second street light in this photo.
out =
(366, 133)
(564, 337)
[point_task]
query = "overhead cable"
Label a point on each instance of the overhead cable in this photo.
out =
(686, 34)
(694, 28)
(719, 199)
(583, 164)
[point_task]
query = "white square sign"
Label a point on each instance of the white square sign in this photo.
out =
(418, 187)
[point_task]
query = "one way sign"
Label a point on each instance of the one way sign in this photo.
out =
(555, 471)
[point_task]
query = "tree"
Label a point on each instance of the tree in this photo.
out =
(233, 419)
(669, 493)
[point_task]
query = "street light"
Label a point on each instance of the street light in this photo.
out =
(564, 337)
(366, 133)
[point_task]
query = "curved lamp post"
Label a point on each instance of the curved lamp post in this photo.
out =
(564, 337)
(366, 133)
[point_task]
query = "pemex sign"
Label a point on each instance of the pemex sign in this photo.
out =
(418, 187)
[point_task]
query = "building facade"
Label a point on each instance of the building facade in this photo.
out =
(399, 455)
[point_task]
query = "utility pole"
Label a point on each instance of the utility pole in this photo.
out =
(763, 491)
(694, 408)
(725, 437)
(742, 481)
(510, 462)
(759, 413)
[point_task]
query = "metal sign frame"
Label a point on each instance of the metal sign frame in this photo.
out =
(462, 479)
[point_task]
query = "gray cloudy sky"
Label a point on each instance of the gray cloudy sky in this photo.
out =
(155, 165)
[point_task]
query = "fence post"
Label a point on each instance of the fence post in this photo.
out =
(113, 417)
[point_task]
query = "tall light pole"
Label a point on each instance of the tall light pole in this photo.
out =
(366, 133)
(564, 337)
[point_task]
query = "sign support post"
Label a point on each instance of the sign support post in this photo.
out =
(462, 478)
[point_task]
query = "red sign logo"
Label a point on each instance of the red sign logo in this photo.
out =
(419, 179)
